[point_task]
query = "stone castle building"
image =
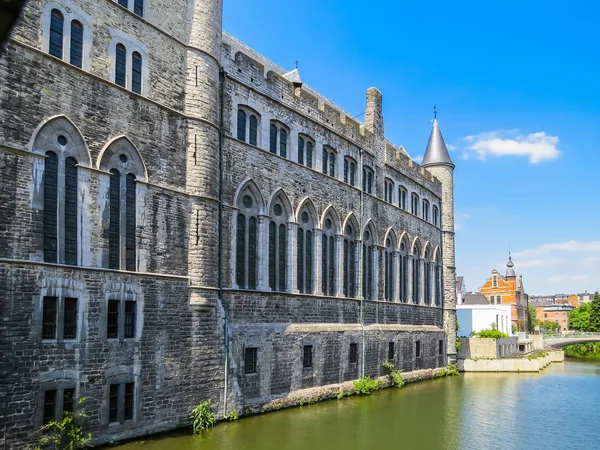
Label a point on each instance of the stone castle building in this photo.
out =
(183, 220)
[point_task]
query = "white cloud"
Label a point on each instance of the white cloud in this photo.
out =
(568, 247)
(450, 147)
(539, 262)
(537, 146)
(418, 159)
(465, 155)
(562, 278)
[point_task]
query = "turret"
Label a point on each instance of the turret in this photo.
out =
(202, 108)
(510, 271)
(437, 161)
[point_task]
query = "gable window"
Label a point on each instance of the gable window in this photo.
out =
(495, 281)
(391, 351)
(349, 261)
(305, 253)
(402, 197)
(59, 318)
(367, 180)
(328, 257)
(247, 126)
(247, 242)
(388, 190)
(121, 319)
(250, 360)
(278, 248)
(121, 402)
(389, 270)
(305, 151)
(278, 138)
(307, 356)
(368, 266)
(426, 210)
(414, 204)
(57, 403)
(436, 216)
(353, 354)
(349, 171)
(403, 273)
(329, 160)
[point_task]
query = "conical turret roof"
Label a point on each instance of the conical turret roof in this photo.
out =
(510, 271)
(436, 153)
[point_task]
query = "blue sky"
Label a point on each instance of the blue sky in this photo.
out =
(517, 93)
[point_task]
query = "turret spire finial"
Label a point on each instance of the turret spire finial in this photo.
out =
(297, 62)
(434, 112)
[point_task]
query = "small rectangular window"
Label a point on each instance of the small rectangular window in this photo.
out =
(391, 351)
(129, 396)
(68, 400)
(440, 347)
(307, 356)
(250, 360)
(113, 403)
(353, 353)
(49, 406)
(112, 329)
(130, 313)
(70, 317)
(418, 349)
(49, 318)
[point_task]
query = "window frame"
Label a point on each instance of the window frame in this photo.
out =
(308, 357)
(127, 327)
(368, 180)
(249, 112)
(252, 353)
(388, 190)
(131, 46)
(402, 194)
(58, 324)
(303, 143)
(350, 168)
(277, 146)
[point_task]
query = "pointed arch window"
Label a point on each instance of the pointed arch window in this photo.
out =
(278, 139)
(57, 22)
(350, 171)
(278, 248)
(241, 125)
(247, 242)
(121, 65)
(305, 253)
(248, 125)
(414, 204)
(427, 266)
(349, 261)
(426, 210)
(51, 208)
(389, 262)
(329, 160)
(438, 283)
(416, 275)
(76, 57)
(136, 72)
(71, 211)
(403, 273)
(402, 192)
(367, 180)
(138, 7)
(436, 216)
(328, 257)
(388, 190)
(368, 266)
(305, 151)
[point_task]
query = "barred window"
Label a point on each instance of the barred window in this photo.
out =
(250, 360)
(307, 356)
(57, 21)
(353, 356)
(367, 180)
(49, 313)
(121, 65)
(328, 257)
(121, 318)
(305, 253)
(76, 57)
(130, 318)
(70, 319)
(112, 325)
(59, 318)
(121, 402)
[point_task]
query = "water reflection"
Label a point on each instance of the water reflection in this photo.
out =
(553, 409)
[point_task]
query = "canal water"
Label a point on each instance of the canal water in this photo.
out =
(558, 408)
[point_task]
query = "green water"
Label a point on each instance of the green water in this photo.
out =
(556, 409)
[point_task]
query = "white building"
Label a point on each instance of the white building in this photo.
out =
(476, 314)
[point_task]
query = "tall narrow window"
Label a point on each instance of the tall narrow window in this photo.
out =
(349, 269)
(130, 222)
(426, 210)
(388, 191)
(70, 319)
(136, 72)
(246, 243)
(416, 277)
(305, 253)
(112, 329)
(273, 139)
(57, 22)
(283, 143)
(418, 349)
(49, 406)
(368, 266)
(307, 356)
(403, 274)
(121, 65)
(367, 180)
(69, 400)
(402, 198)
(391, 351)
(353, 356)
(253, 131)
(328, 161)
(427, 278)
(350, 171)
(130, 318)
(327, 257)
(241, 125)
(128, 406)
(436, 216)
(250, 360)
(300, 150)
(390, 278)
(277, 249)
(414, 204)
(71, 212)
(138, 7)
(51, 208)
(309, 154)
(113, 403)
(76, 44)
(114, 227)
(49, 312)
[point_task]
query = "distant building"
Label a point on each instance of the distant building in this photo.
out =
(461, 290)
(554, 312)
(475, 313)
(508, 290)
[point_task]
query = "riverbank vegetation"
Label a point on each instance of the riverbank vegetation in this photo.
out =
(494, 334)
(587, 316)
(588, 350)
(67, 433)
(202, 417)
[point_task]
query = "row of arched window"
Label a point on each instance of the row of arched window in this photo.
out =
(66, 42)
(248, 130)
(65, 154)
(278, 249)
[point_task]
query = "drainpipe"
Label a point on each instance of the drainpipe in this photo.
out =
(360, 275)
(222, 77)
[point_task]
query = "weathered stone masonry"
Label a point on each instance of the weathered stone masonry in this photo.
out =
(175, 137)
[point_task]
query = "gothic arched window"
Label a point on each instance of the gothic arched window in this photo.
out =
(368, 265)
(349, 261)
(402, 197)
(247, 125)
(304, 244)
(121, 65)
(367, 180)
(389, 266)
(349, 171)
(416, 274)
(278, 247)
(328, 256)
(246, 273)
(76, 57)
(329, 160)
(403, 273)
(136, 72)
(57, 22)
(427, 276)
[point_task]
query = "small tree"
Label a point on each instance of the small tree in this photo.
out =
(66, 434)
(533, 320)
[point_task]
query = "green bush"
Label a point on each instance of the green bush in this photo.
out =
(203, 417)
(396, 377)
(366, 385)
(232, 416)
(451, 370)
(66, 434)
(494, 334)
